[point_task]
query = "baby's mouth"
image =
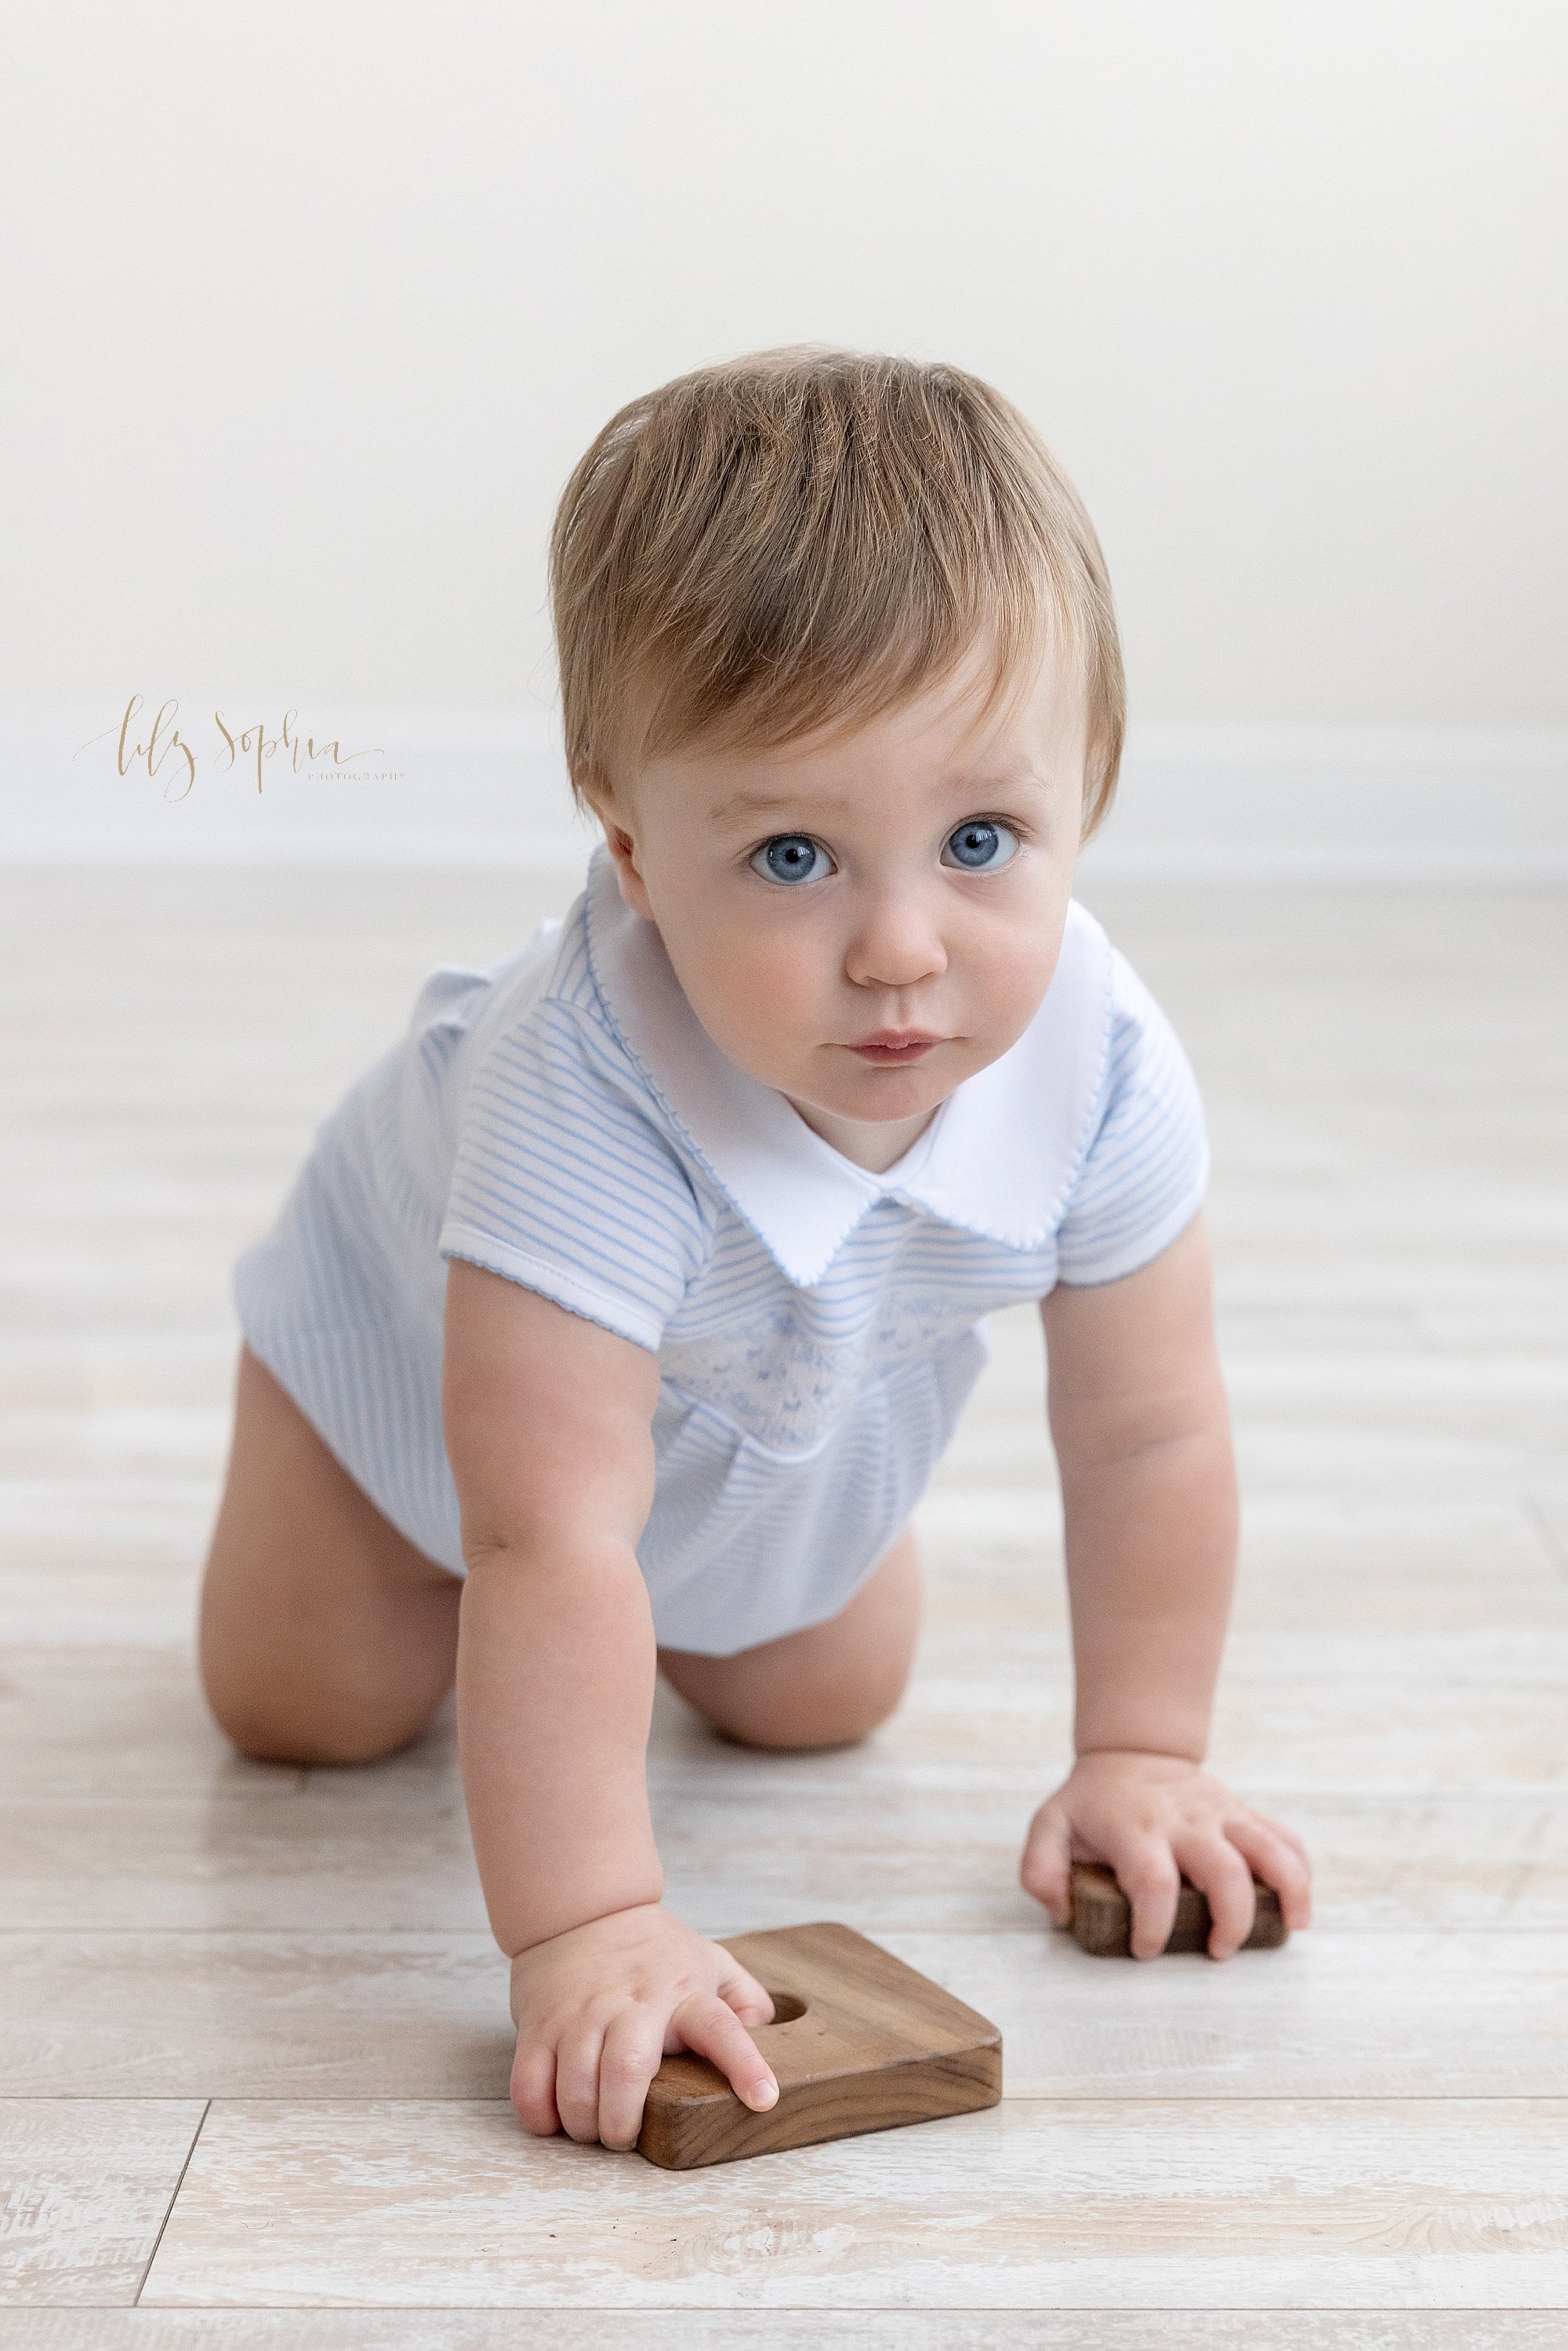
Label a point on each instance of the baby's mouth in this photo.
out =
(895, 1045)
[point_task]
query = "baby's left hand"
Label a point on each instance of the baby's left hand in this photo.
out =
(1155, 1820)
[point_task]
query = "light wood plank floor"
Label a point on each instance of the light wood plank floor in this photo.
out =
(253, 2032)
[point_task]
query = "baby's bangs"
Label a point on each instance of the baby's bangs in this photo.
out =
(764, 696)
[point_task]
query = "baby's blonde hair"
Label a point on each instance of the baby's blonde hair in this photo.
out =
(807, 537)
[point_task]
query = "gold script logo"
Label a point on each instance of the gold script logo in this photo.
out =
(169, 753)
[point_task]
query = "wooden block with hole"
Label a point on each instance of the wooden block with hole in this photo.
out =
(1103, 1917)
(859, 2042)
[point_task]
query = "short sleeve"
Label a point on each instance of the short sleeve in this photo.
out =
(563, 1182)
(1143, 1175)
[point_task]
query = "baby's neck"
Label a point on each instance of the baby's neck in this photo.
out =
(876, 1145)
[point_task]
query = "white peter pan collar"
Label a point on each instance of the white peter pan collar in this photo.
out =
(997, 1159)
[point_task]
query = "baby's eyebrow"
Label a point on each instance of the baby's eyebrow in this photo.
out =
(736, 804)
(1014, 780)
(976, 788)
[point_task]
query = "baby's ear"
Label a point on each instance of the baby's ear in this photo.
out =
(598, 793)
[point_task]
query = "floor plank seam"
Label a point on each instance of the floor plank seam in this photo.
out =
(821, 2310)
(167, 2209)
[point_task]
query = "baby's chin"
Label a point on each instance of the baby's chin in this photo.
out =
(873, 1093)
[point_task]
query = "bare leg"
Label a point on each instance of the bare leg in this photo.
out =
(326, 1637)
(823, 1687)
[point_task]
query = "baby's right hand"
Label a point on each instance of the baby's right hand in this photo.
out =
(599, 2008)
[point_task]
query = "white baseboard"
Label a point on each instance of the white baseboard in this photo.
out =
(1433, 804)
(1201, 802)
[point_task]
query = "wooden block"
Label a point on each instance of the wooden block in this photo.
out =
(1103, 1917)
(860, 2043)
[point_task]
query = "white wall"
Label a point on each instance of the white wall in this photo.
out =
(316, 304)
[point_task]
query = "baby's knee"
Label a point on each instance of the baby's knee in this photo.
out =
(269, 1726)
(837, 1712)
(265, 1738)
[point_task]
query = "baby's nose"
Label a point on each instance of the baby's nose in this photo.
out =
(895, 944)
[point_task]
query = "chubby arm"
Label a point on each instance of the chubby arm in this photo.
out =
(1141, 1434)
(548, 1422)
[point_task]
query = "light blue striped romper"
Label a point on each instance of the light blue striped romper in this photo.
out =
(563, 1118)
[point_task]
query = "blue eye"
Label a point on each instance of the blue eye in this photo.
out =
(980, 846)
(791, 857)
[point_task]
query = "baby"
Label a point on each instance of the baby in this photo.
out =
(619, 1313)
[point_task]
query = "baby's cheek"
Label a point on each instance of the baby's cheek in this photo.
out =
(778, 987)
(1013, 976)
(760, 996)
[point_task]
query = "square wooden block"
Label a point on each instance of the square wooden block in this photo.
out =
(1103, 1917)
(861, 2042)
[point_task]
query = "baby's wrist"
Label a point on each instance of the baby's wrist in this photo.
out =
(557, 1925)
(1125, 1719)
(1185, 1756)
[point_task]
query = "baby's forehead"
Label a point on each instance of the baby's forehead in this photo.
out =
(977, 733)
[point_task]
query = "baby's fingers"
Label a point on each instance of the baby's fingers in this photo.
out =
(1276, 1861)
(1046, 1869)
(577, 2083)
(1148, 1874)
(751, 2001)
(633, 2049)
(711, 2027)
(1219, 1871)
(533, 2090)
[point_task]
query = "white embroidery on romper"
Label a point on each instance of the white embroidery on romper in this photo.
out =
(785, 1382)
